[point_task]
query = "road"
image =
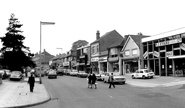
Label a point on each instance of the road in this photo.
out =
(72, 92)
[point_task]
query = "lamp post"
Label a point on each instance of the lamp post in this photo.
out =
(60, 49)
(43, 23)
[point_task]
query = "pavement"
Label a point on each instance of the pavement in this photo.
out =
(17, 94)
(157, 81)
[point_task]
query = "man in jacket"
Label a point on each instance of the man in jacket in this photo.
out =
(111, 81)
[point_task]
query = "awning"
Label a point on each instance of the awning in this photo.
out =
(177, 57)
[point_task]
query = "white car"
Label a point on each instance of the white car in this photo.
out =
(117, 77)
(16, 75)
(143, 73)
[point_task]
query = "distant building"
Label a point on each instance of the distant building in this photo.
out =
(43, 59)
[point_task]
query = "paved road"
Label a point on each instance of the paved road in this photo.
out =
(72, 92)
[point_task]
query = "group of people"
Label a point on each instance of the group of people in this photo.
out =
(92, 80)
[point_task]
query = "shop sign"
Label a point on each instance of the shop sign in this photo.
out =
(145, 54)
(173, 41)
(103, 59)
(156, 54)
(169, 53)
(113, 59)
(95, 59)
(182, 46)
(82, 56)
(66, 64)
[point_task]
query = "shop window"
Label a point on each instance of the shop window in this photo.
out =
(145, 44)
(183, 40)
(162, 47)
(144, 48)
(150, 48)
(169, 67)
(145, 64)
(162, 54)
(150, 55)
(182, 52)
(176, 45)
(169, 48)
(176, 52)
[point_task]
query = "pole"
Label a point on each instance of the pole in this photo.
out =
(40, 50)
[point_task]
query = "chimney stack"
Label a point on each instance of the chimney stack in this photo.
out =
(97, 35)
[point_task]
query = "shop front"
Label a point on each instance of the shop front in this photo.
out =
(66, 65)
(130, 64)
(94, 64)
(113, 64)
(103, 64)
(165, 56)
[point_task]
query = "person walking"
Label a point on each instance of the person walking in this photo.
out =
(89, 79)
(94, 79)
(31, 82)
(111, 81)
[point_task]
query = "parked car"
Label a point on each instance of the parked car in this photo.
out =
(143, 73)
(60, 71)
(98, 76)
(16, 75)
(82, 74)
(73, 73)
(117, 77)
(3, 74)
(52, 74)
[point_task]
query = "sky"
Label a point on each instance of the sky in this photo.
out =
(80, 19)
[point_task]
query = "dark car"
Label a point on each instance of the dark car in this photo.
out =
(52, 74)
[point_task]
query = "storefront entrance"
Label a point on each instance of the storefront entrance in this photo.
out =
(179, 67)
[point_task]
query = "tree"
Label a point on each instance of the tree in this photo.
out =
(78, 44)
(14, 55)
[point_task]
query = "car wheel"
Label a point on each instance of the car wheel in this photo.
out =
(104, 81)
(151, 77)
(133, 77)
(143, 77)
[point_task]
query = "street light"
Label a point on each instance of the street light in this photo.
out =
(60, 49)
(43, 23)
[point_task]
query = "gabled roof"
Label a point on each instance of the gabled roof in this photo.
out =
(137, 39)
(102, 37)
(108, 39)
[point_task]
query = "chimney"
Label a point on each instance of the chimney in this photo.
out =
(97, 35)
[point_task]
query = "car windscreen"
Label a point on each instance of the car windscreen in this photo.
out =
(146, 71)
(15, 72)
(52, 72)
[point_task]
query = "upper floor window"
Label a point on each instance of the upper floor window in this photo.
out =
(94, 49)
(134, 52)
(127, 53)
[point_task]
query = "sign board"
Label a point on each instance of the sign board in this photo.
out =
(173, 41)
(95, 59)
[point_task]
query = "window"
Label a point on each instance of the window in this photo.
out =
(134, 52)
(127, 53)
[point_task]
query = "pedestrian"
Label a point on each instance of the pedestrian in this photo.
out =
(31, 82)
(111, 81)
(89, 79)
(94, 79)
